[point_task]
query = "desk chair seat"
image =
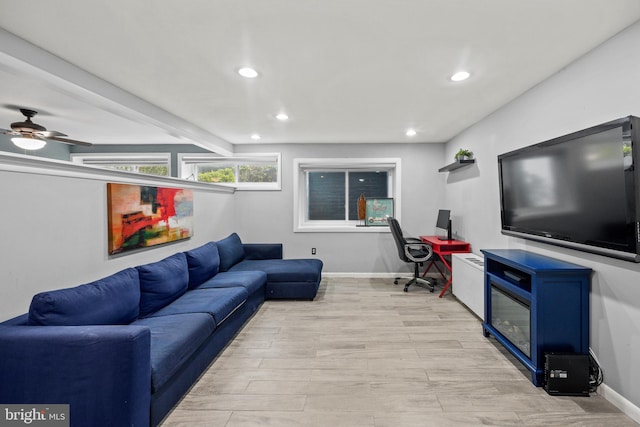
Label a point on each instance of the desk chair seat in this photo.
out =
(411, 250)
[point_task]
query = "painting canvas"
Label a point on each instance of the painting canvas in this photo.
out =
(378, 210)
(141, 216)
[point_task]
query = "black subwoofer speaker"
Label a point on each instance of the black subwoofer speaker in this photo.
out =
(566, 374)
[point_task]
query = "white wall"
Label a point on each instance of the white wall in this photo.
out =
(268, 216)
(54, 233)
(602, 86)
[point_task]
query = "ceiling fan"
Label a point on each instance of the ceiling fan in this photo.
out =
(31, 136)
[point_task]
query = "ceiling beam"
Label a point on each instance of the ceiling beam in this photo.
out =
(28, 58)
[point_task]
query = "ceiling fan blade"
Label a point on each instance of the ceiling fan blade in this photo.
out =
(50, 133)
(8, 132)
(70, 141)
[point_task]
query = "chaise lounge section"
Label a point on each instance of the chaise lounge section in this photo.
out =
(286, 278)
(124, 349)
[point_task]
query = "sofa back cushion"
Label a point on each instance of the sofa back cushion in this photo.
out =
(231, 251)
(162, 282)
(113, 300)
(204, 263)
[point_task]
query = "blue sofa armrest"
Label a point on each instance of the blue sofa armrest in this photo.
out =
(102, 372)
(262, 250)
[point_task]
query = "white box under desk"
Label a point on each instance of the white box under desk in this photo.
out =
(468, 281)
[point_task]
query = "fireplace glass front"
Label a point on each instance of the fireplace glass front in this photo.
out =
(511, 316)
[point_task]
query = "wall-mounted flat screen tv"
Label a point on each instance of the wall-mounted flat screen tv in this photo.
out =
(579, 190)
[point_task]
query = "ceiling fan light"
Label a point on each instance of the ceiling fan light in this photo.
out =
(28, 143)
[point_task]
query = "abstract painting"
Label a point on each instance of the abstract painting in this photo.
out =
(141, 216)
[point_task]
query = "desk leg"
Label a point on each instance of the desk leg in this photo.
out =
(450, 280)
(433, 263)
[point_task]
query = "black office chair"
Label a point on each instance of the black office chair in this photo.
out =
(411, 250)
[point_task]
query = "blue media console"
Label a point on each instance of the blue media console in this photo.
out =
(535, 305)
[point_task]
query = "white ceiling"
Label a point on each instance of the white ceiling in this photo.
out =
(164, 71)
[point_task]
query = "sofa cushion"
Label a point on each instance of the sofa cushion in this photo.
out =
(252, 281)
(218, 303)
(231, 251)
(203, 262)
(113, 300)
(284, 270)
(162, 282)
(173, 340)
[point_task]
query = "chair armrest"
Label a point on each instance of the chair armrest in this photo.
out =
(422, 247)
(102, 372)
(262, 250)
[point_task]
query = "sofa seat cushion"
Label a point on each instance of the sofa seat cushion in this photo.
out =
(173, 340)
(113, 300)
(203, 262)
(162, 282)
(219, 303)
(231, 251)
(252, 281)
(284, 270)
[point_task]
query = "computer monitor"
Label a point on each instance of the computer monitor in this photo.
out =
(444, 222)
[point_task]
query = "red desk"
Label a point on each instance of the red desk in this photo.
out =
(441, 249)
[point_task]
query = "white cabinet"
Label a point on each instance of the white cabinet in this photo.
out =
(468, 281)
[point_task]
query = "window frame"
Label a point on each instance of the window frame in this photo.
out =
(195, 158)
(138, 159)
(303, 165)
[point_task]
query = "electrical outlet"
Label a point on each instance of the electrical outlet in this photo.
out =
(313, 251)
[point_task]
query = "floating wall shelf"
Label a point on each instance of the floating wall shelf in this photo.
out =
(457, 165)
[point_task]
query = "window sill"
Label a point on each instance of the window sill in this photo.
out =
(340, 229)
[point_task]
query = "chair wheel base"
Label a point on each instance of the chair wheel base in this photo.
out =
(421, 283)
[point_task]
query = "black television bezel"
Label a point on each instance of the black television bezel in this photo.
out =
(633, 125)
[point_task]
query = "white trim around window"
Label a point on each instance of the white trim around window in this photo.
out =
(301, 166)
(187, 168)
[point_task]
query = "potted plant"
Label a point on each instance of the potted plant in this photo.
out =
(464, 154)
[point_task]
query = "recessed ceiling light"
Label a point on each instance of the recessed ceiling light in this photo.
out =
(410, 132)
(247, 72)
(282, 117)
(460, 76)
(255, 136)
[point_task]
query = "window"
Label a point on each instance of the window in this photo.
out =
(326, 191)
(158, 164)
(246, 172)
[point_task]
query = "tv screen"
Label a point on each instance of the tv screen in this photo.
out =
(578, 190)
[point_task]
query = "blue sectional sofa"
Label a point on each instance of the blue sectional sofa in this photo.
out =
(123, 350)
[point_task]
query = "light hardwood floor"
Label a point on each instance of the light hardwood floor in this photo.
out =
(365, 353)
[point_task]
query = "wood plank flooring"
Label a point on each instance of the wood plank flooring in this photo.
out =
(365, 353)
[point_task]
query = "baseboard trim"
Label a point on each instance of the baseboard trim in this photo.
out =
(617, 400)
(403, 275)
(368, 275)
